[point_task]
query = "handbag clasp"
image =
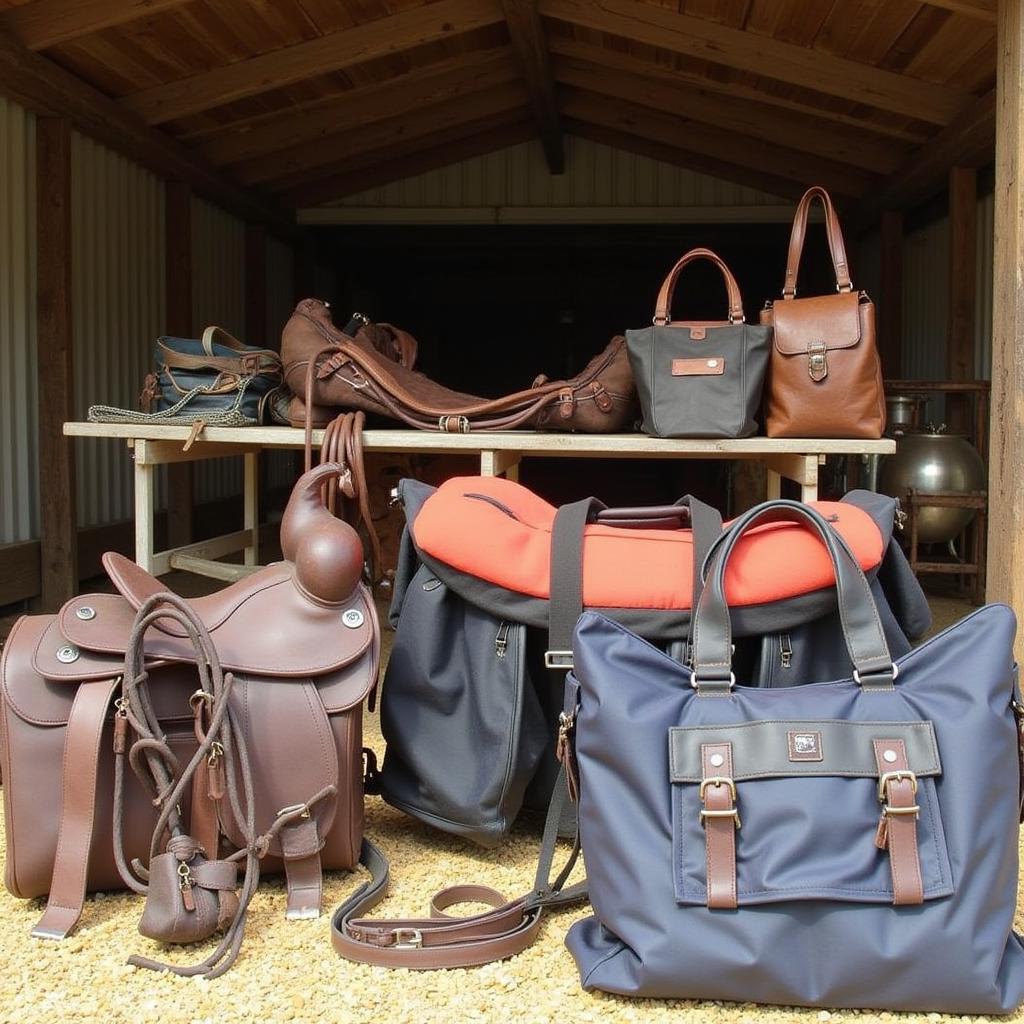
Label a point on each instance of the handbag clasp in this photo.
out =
(817, 361)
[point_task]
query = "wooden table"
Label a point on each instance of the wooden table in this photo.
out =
(500, 454)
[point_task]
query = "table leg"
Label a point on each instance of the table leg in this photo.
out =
(774, 484)
(801, 468)
(251, 521)
(500, 463)
(145, 495)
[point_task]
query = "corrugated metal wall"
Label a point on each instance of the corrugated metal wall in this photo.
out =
(218, 297)
(925, 305)
(595, 176)
(18, 462)
(279, 467)
(117, 284)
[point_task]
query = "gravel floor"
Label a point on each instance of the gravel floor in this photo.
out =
(288, 972)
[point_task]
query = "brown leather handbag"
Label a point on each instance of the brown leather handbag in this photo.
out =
(332, 370)
(229, 737)
(824, 377)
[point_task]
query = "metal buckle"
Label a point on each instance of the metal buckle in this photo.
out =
(695, 682)
(407, 938)
(717, 780)
(817, 361)
(896, 776)
(732, 812)
(860, 680)
(558, 659)
(888, 811)
(303, 810)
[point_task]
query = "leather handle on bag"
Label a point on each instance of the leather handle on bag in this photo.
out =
(858, 614)
(836, 245)
(668, 287)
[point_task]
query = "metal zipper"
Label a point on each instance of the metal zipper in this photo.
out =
(501, 640)
(785, 651)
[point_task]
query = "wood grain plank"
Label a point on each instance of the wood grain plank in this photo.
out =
(1006, 440)
(802, 66)
(526, 32)
(58, 519)
(315, 57)
(44, 23)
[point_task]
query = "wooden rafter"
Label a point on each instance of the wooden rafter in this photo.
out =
(280, 170)
(405, 94)
(44, 23)
(332, 52)
(45, 88)
(619, 61)
(526, 31)
(968, 142)
(983, 10)
(386, 166)
(756, 120)
(690, 160)
(718, 143)
(762, 55)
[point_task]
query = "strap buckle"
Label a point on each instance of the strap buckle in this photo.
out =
(301, 810)
(896, 776)
(731, 812)
(558, 659)
(407, 938)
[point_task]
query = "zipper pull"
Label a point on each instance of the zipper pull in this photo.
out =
(501, 640)
(785, 651)
(565, 755)
(185, 884)
(120, 725)
(882, 832)
(215, 772)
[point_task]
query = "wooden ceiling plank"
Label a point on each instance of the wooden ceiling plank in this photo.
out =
(384, 171)
(702, 163)
(983, 10)
(380, 38)
(757, 120)
(45, 23)
(716, 142)
(526, 32)
(968, 142)
(46, 88)
(630, 64)
(461, 76)
(423, 124)
(763, 55)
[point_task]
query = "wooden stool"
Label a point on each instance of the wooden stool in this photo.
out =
(974, 536)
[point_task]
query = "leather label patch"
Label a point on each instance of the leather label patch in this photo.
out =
(805, 746)
(707, 366)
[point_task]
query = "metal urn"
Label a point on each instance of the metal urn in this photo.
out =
(930, 461)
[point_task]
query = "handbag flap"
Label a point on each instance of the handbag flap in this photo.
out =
(831, 320)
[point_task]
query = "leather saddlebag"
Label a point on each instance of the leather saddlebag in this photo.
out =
(301, 643)
(824, 378)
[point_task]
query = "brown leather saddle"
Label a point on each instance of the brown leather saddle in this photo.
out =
(302, 641)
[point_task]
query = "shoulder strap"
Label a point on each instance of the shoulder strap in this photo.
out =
(439, 941)
(835, 242)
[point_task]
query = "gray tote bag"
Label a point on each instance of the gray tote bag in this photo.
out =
(699, 379)
(847, 844)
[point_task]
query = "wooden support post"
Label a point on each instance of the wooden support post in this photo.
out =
(58, 518)
(178, 234)
(890, 299)
(1006, 448)
(255, 285)
(963, 259)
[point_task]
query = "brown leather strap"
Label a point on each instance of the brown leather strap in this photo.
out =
(662, 312)
(721, 821)
(897, 830)
(300, 846)
(77, 810)
(835, 242)
(204, 824)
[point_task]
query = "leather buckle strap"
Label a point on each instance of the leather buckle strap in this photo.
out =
(720, 817)
(897, 828)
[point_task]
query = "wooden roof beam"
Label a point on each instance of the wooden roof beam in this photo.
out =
(756, 120)
(983, 10)
(46, 88)
(44, 23)
(718, 143)
(447, 80)
(690, 160)
(762, 55)
(333, 52)
(968, 142)
(617, 60)
(420, 129)
(386, 166)
(526, 31)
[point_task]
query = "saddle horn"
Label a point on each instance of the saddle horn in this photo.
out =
(326, 552)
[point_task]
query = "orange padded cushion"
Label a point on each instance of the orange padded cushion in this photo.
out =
(625, 568)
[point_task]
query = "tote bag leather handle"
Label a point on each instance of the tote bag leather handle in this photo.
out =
(862, 628)
(835, 242)
(668, 287)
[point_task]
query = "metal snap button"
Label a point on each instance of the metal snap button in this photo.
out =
(889, 755)
(66, 655)
(85, 612)
(712, 363)
(717, 760)
(353, 618)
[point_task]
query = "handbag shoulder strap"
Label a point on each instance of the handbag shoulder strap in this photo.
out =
(836, 245)
(662, 311)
